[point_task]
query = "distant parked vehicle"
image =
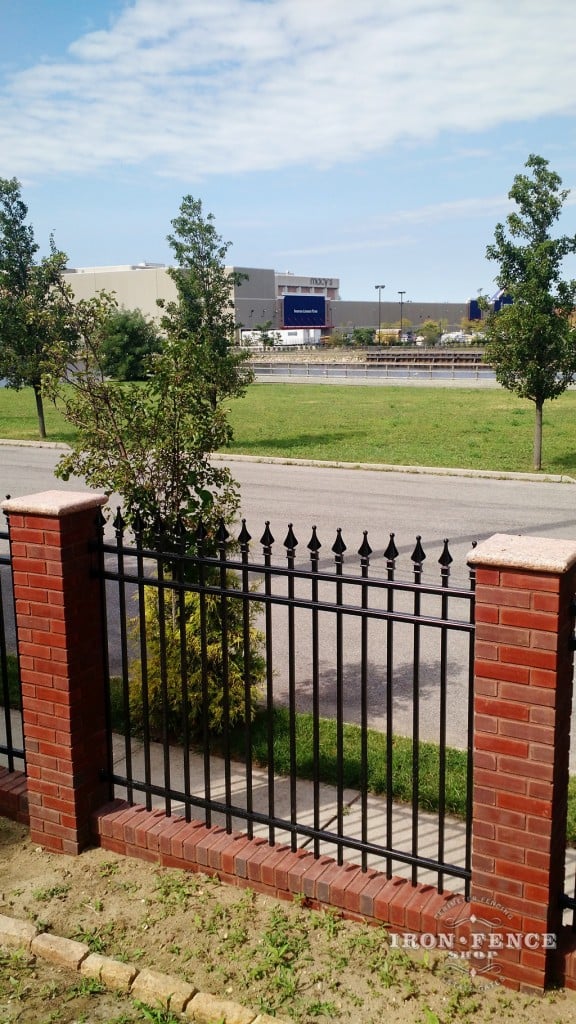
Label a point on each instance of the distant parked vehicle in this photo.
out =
(454, 338)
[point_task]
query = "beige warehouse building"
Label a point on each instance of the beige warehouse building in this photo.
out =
(263, 296)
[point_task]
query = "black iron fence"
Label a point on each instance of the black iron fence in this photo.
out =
(11, 744)
(311, 699)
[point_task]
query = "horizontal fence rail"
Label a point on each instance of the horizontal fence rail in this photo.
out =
(373, 370)
(303, 700)
(11, 745)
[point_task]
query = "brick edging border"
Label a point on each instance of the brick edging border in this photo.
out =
(147, 985)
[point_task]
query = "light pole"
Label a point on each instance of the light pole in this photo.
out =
(379, 288)
(401, 294)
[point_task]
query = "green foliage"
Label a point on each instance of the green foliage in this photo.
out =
(14, 694)
(176, 651)
(531, 343)
(157, 1014)
(268, 336)
(37, 329)
(128, 341)
(431, 331)
(152, 445)
(363, 337)
(337, 339)
(203, 314)
(475, 330)
(571, 820)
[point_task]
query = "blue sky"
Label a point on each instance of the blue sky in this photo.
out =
(373, 140)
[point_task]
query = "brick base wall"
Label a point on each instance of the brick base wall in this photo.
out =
(14, 796)
(274, 871)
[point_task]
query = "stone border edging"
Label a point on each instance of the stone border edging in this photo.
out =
(152, 987)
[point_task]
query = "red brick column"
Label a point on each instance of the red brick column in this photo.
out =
(61, 662)
(523, 694)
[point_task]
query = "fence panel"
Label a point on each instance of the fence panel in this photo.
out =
(311, 698)
(11, 741)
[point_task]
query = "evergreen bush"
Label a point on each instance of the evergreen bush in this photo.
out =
(193, 644)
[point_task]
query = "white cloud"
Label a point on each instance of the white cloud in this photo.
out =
(224, 86)
(378, 234)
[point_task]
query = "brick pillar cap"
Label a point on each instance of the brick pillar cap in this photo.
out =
(540, 554)
(54, 503)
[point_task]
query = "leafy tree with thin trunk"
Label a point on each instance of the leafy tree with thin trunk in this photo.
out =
(35, 303)
(151, 442)
(430, 331)
(204, 312)
(531, 342)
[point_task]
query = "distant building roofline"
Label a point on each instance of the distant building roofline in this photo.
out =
(117, 269)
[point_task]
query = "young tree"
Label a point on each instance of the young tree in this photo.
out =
(128, 341)
(531, 343)
(35, 303)
(152, 443)
(268, 336)
(204, 311)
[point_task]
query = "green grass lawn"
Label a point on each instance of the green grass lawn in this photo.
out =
(463, 428)
(470, 428)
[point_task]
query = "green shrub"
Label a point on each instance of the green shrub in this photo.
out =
(14, 696)
(175, 654)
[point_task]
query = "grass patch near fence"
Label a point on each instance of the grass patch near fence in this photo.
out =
(465, 428)
(352, 771)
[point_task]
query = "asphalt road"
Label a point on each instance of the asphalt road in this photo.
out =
(463, 509)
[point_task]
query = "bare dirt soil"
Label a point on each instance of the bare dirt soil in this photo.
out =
(284, 959)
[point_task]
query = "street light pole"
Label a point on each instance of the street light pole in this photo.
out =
(379, 288)
(401, 294)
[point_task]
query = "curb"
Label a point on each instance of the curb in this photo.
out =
(148, 986)
(384, 467)
(376, 467)
(12, 443)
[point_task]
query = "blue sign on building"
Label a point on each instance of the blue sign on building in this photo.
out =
(304, 311)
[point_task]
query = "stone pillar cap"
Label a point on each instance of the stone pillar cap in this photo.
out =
(516, 551)
(54, 503)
